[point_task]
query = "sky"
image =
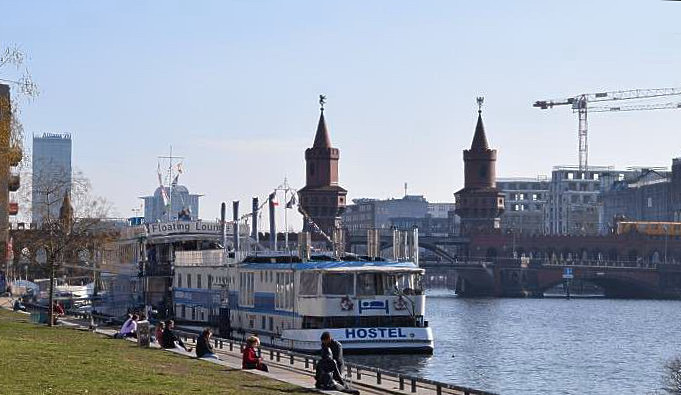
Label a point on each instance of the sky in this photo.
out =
(233, 87)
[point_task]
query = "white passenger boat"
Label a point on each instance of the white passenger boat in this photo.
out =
(370, 306)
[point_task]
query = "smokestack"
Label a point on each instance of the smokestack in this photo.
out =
(304, 246)
(254, 231)
(223, 226)
(235, 226)
(273, 227)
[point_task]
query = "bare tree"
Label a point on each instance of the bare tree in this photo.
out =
(80, 226)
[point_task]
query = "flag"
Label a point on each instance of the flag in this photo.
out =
(291, 202)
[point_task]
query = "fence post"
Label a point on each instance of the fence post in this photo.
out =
(231, 345)
(307, 363)
(359, 374)
(413, 385)
(278, 356)
(292, 360)
(401, 383)
(438, 389)
(271, 355)
(349, 371)
(378, 377)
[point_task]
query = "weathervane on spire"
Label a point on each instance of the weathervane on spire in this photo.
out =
(322, 101)
(480, 100)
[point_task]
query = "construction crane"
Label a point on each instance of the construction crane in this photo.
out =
(581, 104)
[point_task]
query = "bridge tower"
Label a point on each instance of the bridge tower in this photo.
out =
(479, 203)
(322, 198)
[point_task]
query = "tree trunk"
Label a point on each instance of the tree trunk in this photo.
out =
(50, 315)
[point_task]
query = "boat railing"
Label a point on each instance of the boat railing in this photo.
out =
(367, 375)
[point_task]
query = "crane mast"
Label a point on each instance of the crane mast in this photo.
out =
(580, 105)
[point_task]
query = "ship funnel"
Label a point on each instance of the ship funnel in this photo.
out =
(273, 224)
(254, 230)
(373, 243)
(235, 226)
(304, 246)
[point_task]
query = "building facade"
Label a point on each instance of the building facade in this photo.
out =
(652, 195)
(574, 203)
(479, 203)
(525, 204)
(52, 174)
(322, 200)
(181, 205)
(406, 213)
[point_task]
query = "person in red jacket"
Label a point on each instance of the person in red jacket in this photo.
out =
(250, 356)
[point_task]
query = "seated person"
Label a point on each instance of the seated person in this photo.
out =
(160, 326)
(129, 328)
(203, 347)
(250, 358)
(170, 340)
(18, 306)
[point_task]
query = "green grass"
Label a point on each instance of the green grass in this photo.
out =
(40, 360)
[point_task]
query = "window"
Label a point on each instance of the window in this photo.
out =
(283, 298)
(338, 284)
(179, 280)
(308, 283)
(263, 317)
(370, 284)
(189, 280)
(246, 293)
(198, 281)
(271, 324)
(650, 202)
(210, 281)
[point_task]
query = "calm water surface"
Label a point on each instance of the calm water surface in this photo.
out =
(546, 346)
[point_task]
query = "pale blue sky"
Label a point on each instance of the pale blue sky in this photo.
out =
(233, 85)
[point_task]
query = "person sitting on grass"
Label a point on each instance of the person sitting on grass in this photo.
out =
(250, 359)
(203, 347)
(129, 328)
(159, 331)
(169, 340)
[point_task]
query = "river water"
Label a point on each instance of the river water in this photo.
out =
(545, 346)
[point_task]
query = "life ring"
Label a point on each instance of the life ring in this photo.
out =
(346, 304)
(399, 303)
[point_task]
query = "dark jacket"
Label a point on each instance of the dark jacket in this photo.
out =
(203, 347)
(169, 338)
(337, 352)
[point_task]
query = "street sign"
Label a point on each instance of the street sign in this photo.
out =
(567, 273)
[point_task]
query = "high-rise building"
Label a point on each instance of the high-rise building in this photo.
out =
(180, 205)
(479, 203)
(51, 174)
(322, 199)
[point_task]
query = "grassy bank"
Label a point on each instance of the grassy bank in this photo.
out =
(41, 360)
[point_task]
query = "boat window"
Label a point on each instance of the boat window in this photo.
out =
(338, 284)
(283, 298)
(308, 283)
(407, 283)
(370, 284)
(246, 291)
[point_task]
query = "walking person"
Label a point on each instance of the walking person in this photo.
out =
(204, 349)
(250, 358)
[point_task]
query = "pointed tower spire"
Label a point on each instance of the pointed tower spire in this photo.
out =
(321, 138)
(66, 211)
(479, 138)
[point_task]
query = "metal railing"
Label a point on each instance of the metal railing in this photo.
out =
(360, 374)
